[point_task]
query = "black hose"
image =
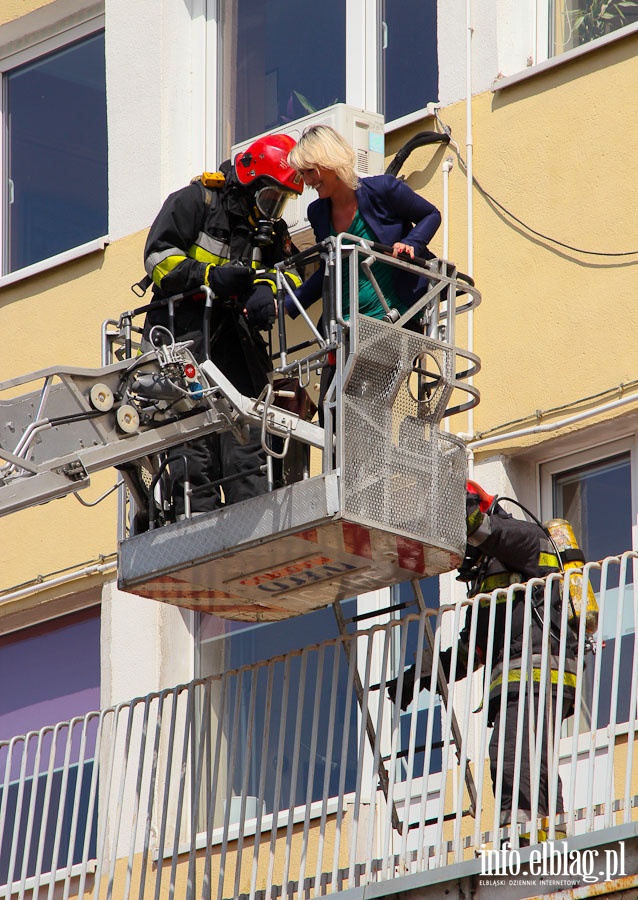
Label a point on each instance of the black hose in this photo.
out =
(419, 140)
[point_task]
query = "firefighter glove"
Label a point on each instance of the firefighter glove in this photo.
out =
(260, 307)
(409, 676)
(230, 280)
(407, 690)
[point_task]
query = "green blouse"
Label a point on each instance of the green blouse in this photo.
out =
(369, 304)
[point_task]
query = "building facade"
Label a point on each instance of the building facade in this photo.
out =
(107, 107)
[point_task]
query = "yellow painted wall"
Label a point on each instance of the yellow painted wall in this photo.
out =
(55, 319)
(558, 150)
(150, 875)
(14, 9)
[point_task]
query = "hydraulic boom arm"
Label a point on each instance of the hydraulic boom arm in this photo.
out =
(81, 421)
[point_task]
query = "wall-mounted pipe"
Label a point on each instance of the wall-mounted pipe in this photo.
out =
(446, 168)
(548, 426)
(469, 148)
(107, 568)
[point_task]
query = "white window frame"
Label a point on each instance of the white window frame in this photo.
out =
(363, 69)
(581, 457)
(37, 39)
(542, 34)
(540, 59)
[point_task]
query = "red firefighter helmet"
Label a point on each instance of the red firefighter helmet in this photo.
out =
(267, 158)
(485, 500)
(264, 166)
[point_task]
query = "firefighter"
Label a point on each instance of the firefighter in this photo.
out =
(224, 230)
(501, 551)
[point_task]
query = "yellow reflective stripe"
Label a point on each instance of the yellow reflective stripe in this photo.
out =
(514, 676)
(212, 245)
(501, 597)
(208, 249)
(271, 284)
(205, 256)
(500, 580)
(270, 279)
(296, 280)
(548, 559)
(159, 264)
(165, 267)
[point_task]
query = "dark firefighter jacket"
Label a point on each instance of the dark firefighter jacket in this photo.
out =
(198, 227)
(513, 551)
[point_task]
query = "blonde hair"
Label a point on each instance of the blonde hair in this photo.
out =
(321, 145)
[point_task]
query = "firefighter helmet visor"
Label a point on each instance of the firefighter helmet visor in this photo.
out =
(270, 201)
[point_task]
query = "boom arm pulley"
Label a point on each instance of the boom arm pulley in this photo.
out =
(118, 414)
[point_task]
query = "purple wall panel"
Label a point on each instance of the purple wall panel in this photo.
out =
(49, 673)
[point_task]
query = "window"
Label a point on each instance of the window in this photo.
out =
(596, 499)
(54, 673)
(55, 152)
(593, 491)
(411, 72)
(283, 60)
(283, 692)
(427, 703)
(287, 60)
(573, 23)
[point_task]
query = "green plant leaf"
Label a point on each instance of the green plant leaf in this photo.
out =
(307, 105)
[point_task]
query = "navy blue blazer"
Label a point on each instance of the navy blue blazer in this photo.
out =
(395, 213)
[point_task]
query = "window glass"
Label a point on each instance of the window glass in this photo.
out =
(56, 159)
(284, 692)
(596, 500)
(576, 22)
(288, 59)
(54, 673)
(428, 705)
(409, 56)
(53, 670)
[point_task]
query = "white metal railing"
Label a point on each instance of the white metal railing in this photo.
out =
(264, 781)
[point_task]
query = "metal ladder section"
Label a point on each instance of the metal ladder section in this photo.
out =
(442, 689)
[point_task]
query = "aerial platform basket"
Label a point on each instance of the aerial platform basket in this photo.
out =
(390, 506)
(279, 555)
(387, 501)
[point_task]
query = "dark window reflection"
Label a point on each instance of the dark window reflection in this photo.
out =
(300, 686)
(410, 56)
(596, 499)
(290, 61)
(57, 153)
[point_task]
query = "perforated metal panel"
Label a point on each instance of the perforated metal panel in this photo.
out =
(401, 472)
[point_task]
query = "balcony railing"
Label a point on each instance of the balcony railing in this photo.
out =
(298, 777)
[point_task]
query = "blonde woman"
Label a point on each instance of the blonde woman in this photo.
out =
(378, 208)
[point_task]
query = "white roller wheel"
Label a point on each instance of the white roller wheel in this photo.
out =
(128, 419)
(101, 397)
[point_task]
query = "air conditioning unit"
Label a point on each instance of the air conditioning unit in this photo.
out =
(363, 130)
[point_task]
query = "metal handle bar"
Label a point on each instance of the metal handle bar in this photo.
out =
(175, 299)
(418, 261)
